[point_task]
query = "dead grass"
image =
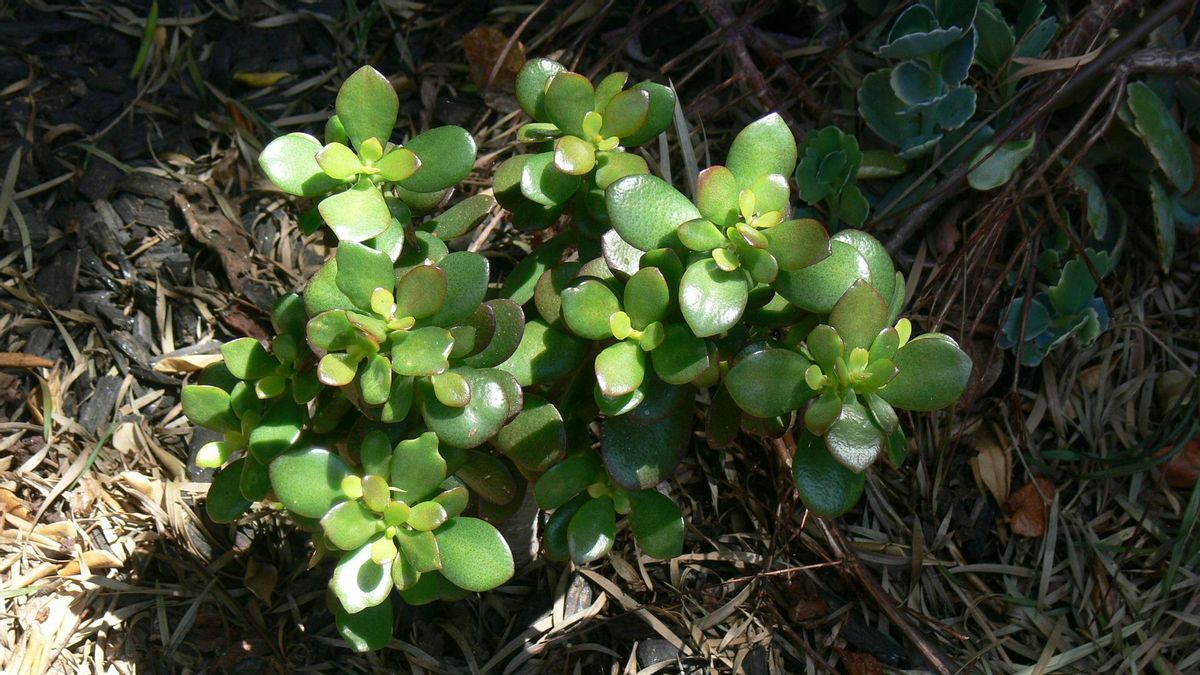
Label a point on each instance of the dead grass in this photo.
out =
(108, 565)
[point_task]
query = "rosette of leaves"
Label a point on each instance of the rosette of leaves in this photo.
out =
(827, 172)
(913, 104)
(643, 318)
(737, 230)
(257, 399)
(586, 502)
(416, 335)
(1068, 308)
(367, 185)
(584, 130)
(1174, 198)
(394, 522)
(850, 374)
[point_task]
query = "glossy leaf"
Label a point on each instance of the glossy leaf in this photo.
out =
(657, 523)
(209, 407)
(447, 155)
(682, 357)
(568, 478)
(573, 156)
(356, 214)
(796, 244)
(933, 374)
(645, 210)
(818, 287)
(592, 531)
(359, 582)
(291, 163)
(466, 283)
(536, 438)
(420, 549)
(625, 113)
(417, 468)
(366, 106)
(767, 146)
(569, 97)
(612, 166)
(349, 525)
(557, 525)
(278, 430)
(620, 368)
(642, 447)
(361, 270)
(879, 263)
(544, 355)
(647, 297)
(368, 630)
(853, 439)
(225, 502)
(658, 117)
(308, 482)
(509, 323)
(461, 218)
(475, 556)
(427, 516)
(479, 420)
(859, 315)
(322, 293)
(711, 299)
(826, 487)
(769, 383)
(421, 291)
(586, 308)
(531, 86)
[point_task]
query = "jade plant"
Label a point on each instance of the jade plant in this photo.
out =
(408, 402)
(580, 134)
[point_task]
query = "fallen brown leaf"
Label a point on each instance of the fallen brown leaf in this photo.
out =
(1182, 470)
(209, 225)
(992, 466)
(1028, 508)
(22, 360)
(860, 664)
(484, 46)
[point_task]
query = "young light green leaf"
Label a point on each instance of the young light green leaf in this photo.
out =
(291, 163)
(357, 214)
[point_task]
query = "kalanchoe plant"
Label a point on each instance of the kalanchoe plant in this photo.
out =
(914, 103)
(827, 173)
(583, 131)
(406, 404)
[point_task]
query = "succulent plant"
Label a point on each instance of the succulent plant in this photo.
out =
(584, 129)
(406, 403)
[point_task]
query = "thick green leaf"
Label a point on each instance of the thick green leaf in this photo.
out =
(853, 439)
(573, 156)
(882, 272)
(645, 210)
(417, 468)
(569, 97)
(657, 523)
(423, 351)
(489, 477)
(475, 556)
(798, 243)
(818, 287)
(209, 407)
(309, 481)
(647, 297)
(339, 161)
(643, 446)
(826, 487)
(587, 306)
(543, 183)
(1162, 135)
(427, 516)
(592, 530)
(359, 582)
(337, 369)
(612, 166)
(570, 477)
(322, 293)
(544, 355)
(447, 155)
(509, 323)
(361, 270)
(366, 106)
(398, 164)
(479, 420)
(626, 113)
(1164, 224)
(933, 374)
(375, 381)
(769, 383)
(658, 118)
(421, 291)
(278, 430)
(356, 214)
(531, 86)
(682, 357)
(256, 482)
(225, 502)
(247, 360)
(536, 438)
(767, 146)
(1000, 163)
(859, 315)
(620, 368)
(420, 549)
(555, 536)
(461, 218)
(291, 163)
(349, 525)
(717, 195)
(367, 630)
(711, 299)
(467, 280)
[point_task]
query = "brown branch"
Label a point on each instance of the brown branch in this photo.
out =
(1074, 82)
(854, 568)
(1169, 61)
